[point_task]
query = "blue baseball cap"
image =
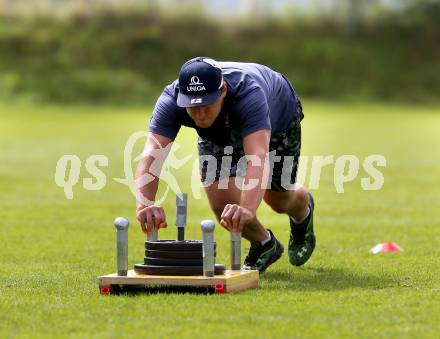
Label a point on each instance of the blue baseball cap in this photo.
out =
(200, 82)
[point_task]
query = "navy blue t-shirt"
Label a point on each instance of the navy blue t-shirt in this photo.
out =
(257, 98)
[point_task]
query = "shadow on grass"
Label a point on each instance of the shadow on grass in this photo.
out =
(295, 279)
(325, 279)
(130, 290)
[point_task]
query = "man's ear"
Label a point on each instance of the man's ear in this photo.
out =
(224, 89)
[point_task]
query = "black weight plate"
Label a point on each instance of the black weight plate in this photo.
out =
(172, 262)
(176, 270)
(175, 254)
(175, 245)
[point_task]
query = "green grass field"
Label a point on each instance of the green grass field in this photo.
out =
(52, 249)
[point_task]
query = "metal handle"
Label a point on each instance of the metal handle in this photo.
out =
(121, 225)
(208, 248)
(235, 251)
(181, 212)
(153, 236)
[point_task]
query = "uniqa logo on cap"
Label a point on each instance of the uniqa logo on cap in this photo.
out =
(195, 85)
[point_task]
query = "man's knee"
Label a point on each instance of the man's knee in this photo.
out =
(277, 201)
(301, 197)
(283, 202)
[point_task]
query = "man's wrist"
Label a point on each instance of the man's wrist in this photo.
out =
(142, 206)
(249, 208)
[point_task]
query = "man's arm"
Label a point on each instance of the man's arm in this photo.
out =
(148, 170)
(257, 145)
(235, 217)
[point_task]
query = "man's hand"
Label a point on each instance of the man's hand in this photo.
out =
(151, 217)
(235, 217)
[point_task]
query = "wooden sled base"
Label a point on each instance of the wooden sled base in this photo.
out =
(231, 281)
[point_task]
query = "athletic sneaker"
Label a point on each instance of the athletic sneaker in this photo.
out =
(261, 257)
(302, 239)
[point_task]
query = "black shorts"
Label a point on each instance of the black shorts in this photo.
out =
(284, 144)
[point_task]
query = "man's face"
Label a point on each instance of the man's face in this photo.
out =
(204, 116)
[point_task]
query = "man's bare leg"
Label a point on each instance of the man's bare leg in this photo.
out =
(293, 202)
(296, 203)
(219, 197)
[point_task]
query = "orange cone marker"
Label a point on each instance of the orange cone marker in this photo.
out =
(386, 247)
